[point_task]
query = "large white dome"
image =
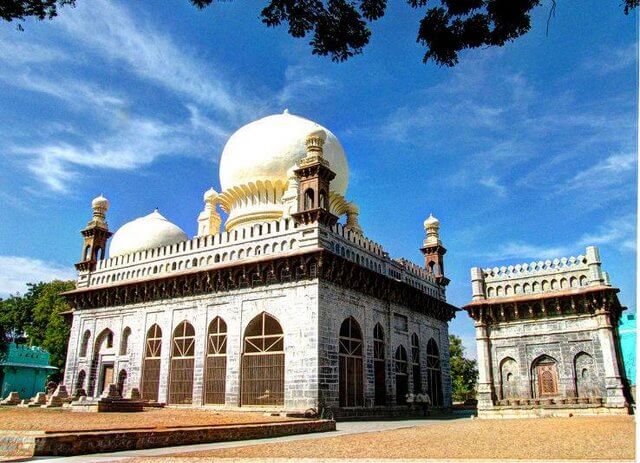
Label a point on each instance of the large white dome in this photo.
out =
(265, 149)
(146, 232)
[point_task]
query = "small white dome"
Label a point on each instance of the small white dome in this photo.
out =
(100, 202)
(210, 193)
(267, 148)
(150, 231)
(431, 221)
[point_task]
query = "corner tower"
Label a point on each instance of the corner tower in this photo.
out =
(314, 179)
(434, 251)
(95, 235)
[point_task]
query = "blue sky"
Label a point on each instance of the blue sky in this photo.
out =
(524, 152)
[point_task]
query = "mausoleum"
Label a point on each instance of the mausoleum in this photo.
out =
(286, 305)
(547, 339)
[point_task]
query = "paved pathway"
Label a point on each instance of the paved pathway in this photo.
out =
(342, 428)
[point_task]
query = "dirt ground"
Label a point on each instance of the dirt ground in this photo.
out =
(62, 420)
(577, 438)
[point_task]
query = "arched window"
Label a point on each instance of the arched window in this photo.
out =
(545, 376)
(262, 380)
(216, 363)
(434, 374)
(402, 377)
(573, 282)
(87, 252)
(509, 378)
(583, 280)
(322, 201)
(182, 364)
(351, 391)
(415, 364)
(124, 341)
(84, 346)
(584, 375)
(379, 365)
(308, 199)
(122, 382)
(151, 364)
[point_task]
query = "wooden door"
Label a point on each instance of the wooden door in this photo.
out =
(547, 380)
(107, 377)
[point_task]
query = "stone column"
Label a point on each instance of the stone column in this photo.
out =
(485, 373)
(613, 381)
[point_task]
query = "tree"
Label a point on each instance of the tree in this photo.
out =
(38, 315)
(464, 372)
(340, 28)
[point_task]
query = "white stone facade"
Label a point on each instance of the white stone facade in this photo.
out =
(310, 313)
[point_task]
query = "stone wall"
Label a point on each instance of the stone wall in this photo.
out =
(559, 338)
(338, 303)
(294, 305)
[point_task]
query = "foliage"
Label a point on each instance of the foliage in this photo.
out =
(464, 372)
(37, 315)
(340, 28)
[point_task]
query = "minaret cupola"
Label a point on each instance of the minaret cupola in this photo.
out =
(95, 235)
(314, 179)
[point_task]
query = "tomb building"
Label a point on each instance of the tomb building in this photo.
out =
(547, 339)
(279, 302)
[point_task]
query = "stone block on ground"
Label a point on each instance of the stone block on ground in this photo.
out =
(12, 399)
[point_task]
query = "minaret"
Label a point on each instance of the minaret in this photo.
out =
(353, 224)
(314, 178)
(434, 251)
(209, 219)
(95, 235)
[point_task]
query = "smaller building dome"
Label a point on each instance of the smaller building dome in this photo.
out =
(150, 231)
(100, 202)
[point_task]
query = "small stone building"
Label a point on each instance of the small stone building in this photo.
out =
(24, 369)
(286, 308)
(547, 339)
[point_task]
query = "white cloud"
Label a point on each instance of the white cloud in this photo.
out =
(112, 32)
(133, 142)
(16, 272)
(81, 95)
(608, 172)
(303, 82)
(493, 183)
(612, 59)
(619, 232)
(520, 250)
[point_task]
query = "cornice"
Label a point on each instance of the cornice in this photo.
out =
(299, 266)
(589, 300)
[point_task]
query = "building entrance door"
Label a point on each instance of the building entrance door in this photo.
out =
(547, 379)
(107, 377)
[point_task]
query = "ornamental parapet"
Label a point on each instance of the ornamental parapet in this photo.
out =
(539, 276)
(304, 264)
(255, 242)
